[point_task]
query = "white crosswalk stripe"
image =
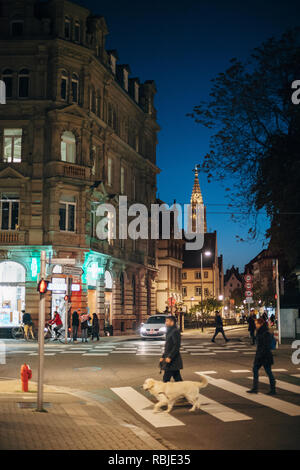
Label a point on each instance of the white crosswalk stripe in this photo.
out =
(144, 408)
(268, 401)
(221, 412)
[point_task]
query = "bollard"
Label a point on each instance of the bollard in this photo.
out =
(26, 374)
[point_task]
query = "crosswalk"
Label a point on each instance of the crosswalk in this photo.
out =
(143, 406)
(138, 348)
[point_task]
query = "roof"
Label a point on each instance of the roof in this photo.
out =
(232, 271)
(192, 258)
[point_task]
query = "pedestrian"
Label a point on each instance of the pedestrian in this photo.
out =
(57, 321)
(171, 361)
(84, 319)
(219, 327)
(75, 325)
(263, 357)
(252, 327)
(265, 317)
(28, 324)
(95, 327)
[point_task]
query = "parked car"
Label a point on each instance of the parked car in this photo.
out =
(154, 327)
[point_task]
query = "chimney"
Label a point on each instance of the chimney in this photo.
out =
(123, 72)
(134, 89)
(113, 57)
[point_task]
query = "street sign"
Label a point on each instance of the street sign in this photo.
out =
(249, 300)
(248, 293)
(70, 261)
(248, 285)
(72, 270)
(248, 277)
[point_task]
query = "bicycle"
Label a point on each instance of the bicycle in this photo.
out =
(50, 335)
(18, 332)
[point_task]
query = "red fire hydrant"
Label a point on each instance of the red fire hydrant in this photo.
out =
(26, 374)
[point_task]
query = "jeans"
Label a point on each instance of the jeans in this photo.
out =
(95, 333)
(75, 332)
(172, 373)
(268, 369)
(219, 330)
(84, 333)
(252, 335)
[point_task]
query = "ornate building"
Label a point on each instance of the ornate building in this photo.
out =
(201, 280)
(76, 131)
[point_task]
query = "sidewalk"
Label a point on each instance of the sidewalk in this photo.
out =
(71, 422)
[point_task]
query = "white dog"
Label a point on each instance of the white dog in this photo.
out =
(168, 393)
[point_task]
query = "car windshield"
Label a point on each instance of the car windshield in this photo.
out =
(156, 319)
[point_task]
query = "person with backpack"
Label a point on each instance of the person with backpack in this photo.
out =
(28, 324)
(75, 325)
(263, 357)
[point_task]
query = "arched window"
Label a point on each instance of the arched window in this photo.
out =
(68, 147)
(7, 77)
(64, 85)
(75, 88)
(67, 28)
(23, 83)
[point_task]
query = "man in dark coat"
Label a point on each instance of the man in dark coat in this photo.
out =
(263, 356)
(252, 327)
(171, 361)
(219, 327)
(75, 325)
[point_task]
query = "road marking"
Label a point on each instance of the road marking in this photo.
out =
(144, 407)
(237, 371)
(74, 352)
(265, 400)
(296, 375)
(45, 354)
(227, 351)
(221, 412)
(249, 353)
(279, 370)
(203, 354)
(280, 384)
(207, 372)
(95, 354)
(148, 354)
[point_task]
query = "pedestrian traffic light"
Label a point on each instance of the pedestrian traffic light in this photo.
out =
(42, 286)
(67, 298)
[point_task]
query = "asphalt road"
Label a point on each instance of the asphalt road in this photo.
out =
(113, 372)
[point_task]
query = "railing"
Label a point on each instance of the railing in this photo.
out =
(69, 170)
(74, 171)
(9, 237)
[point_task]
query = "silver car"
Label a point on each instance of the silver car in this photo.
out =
(154, 327)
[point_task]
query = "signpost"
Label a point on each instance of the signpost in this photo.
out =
(41, 337)
(248, 289)
(70, 261)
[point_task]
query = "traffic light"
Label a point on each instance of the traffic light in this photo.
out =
(42, 286)
(67, 298)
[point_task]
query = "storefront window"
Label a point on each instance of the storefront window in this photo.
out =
(12, 293)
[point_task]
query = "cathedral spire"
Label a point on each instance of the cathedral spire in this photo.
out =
(197, 198)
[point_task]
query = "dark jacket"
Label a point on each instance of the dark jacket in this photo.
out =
(75, 319)
(27, 319)
(95, 323)
(251, 323)
(219, 321)
(172, 349)
(264, 354)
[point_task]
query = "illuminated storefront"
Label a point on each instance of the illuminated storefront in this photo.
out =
(12, 293)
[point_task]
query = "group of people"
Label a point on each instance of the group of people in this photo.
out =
(82, 320)
(171, 361)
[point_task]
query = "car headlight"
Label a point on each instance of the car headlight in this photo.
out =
(163, 329)
(143, 329)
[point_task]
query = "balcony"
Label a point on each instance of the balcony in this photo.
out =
(67, 170)
(12, 237)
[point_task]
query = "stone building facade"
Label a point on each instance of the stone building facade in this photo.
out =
(76, 131)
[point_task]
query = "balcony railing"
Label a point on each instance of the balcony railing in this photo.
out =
(9, 237)
(69, 170)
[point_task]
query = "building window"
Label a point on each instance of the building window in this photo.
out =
(198, 275)
(17, 28)
(93, 100)
(67, 28)
(12, 145)
(9, 212)
(109, 172)
(205, 274)
(64, 85)
(133, 290)
(183, 276)
(68, 147)
(75, 88)
(77, 31)
(122, 180)
(122, 288)
(23, 83)
(206, 292)
(67, 214)
(197, 290)
(184, 292)
(7, 77)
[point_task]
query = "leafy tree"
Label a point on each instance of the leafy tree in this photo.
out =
(237, 295)
(204, 310)
(257, 139)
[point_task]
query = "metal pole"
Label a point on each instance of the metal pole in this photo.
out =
(66, 312)
(201, 290)
(278, 302)
(41, 337)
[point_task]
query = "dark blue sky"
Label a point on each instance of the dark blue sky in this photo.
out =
(182, 45)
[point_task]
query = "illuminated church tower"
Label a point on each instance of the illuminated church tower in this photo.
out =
(197, 198)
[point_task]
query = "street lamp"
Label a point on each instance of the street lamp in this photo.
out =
(206, 253)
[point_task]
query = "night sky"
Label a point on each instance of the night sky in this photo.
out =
(182, 46)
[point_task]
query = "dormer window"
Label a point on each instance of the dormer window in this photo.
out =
(67, 28)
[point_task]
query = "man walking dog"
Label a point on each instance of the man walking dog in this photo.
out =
(171, 361)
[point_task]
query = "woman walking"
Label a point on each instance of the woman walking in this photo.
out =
(95, 327)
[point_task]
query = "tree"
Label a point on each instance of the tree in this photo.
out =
(204, 310)
(237, 295)
(256, 141)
